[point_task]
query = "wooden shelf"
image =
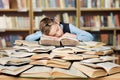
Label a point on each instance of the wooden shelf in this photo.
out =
(118, 28)
(99, 9)
(117, 48)
(55, 9)
(14, 10)
(92, 28)
(3, 30)
(18, 29)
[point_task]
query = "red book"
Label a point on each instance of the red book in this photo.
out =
(117, 20)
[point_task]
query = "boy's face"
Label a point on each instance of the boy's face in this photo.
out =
(56, 30)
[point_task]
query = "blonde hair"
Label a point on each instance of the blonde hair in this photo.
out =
(45, 25)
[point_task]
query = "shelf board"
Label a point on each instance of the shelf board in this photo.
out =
(99, 9)
(55, 9)
(118, 28)
(14, 10)
(93, 28)
(3, 30)
(117, 48)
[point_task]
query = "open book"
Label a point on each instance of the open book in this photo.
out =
(26, 43)
(14, 70)
(66, 56)
(67, 49)
(14, 61)
(58, 42)
(91, 72)
(109, 67)
(63, 50)
(34, 49)
(101, 50)
(52, 63)
(92, 44)
(21, 54)
(47, 72)
(63, 56)
(99, 59)
(88, 56)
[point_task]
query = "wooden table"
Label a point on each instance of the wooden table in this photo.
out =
(111, 77)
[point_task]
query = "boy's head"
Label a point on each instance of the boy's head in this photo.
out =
(49, 26)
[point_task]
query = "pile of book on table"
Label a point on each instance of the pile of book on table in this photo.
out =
(82, 60)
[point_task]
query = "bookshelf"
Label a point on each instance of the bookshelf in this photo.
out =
(102, 19)
(72, 11)
(63, 10)
(14, 21)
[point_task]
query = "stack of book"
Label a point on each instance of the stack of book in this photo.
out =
(40, 61)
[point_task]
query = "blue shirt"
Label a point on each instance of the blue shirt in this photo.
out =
(81, 34)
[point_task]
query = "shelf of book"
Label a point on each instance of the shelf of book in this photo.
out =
(99, 9)
(57, 9)
(13, 29)
(14, 20)
(101, 28)
(101, 15)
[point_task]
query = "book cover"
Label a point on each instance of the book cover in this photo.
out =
(65, 41)
(14, 70)
(47, 72)
(91, 72)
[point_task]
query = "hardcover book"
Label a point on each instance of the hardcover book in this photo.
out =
(58, 42)
(14, 70)
(47, 72)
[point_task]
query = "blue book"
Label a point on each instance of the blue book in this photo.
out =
(73, 3)
(113, 19)
(66, 3)
(13, 38)
(52, 3)
(1, 4)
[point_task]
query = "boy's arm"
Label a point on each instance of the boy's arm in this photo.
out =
(34, 36)
(81, 34)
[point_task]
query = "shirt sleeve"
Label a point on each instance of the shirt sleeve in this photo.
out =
(34, 36)
(81, 34)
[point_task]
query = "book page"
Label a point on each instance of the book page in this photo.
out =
(92, 60)
(67, 41)
(49, 41)
(32, 49)
(70, 73)
(40, 56)
(39, 62)
(58, 63)
(89, 71)
(37, 72)
(108, 58)
(62, 50)
(108, 66)
(18, 61)
(21, 54)
(26, 43)
(15, 70)
(87, 56)
(4, 60)
(72, 57)
(93, 44)
(8, 51)
(76, 49)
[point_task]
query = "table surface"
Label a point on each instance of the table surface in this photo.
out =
(111, 77)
